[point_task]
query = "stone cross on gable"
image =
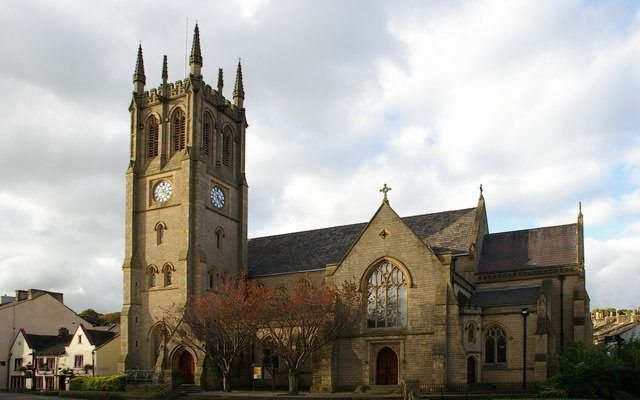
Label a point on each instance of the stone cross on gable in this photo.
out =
(385, 189)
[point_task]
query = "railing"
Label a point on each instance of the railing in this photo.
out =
(435, 389)
(136, 376)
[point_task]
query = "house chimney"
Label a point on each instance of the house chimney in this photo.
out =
(63, 332)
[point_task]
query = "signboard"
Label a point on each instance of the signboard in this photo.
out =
(257, 372)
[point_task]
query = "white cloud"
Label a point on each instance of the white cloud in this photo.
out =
(536, 100)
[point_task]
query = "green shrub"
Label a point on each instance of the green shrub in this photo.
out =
(114, 383)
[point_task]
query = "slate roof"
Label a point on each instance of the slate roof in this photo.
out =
(529, 248)
(504, 296)
(48, 344)
(99, 337)
(311, 250)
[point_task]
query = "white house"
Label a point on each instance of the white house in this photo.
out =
(48, 362)
(37, 312)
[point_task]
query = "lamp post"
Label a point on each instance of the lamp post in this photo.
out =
(525, 314)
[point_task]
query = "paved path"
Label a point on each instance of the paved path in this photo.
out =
(27, 396)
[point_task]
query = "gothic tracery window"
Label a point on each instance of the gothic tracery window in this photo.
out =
(179, 127)
(495, 346)
(387, 301)
(152, 137)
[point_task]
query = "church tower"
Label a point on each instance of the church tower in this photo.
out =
(186, 201)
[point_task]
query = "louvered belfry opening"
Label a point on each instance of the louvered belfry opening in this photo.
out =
(206, 136)
(179, 130)
(152, 137)
(226, 149)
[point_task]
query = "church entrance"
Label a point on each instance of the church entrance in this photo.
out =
(387, 367)
(471, 370)
(186, 367)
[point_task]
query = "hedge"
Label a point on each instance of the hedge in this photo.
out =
(114, 383)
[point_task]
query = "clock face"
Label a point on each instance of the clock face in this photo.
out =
(163, 191)
(217, 197)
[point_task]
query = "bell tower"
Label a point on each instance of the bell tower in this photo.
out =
(186, 200)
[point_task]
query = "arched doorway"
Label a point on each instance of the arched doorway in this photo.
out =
(186, 367)
(471, 370)
(387, 367)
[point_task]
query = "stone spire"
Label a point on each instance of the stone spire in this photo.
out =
(165, 70)
(580, 235)
(195, 61)
(139, 79)
(238, 89)
(220, 81)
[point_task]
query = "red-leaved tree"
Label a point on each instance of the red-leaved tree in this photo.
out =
(299, 320)
(221, 323)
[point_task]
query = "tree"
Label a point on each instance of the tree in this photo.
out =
(299, 321)
(91, 316)
(110, 318)
(220, 323)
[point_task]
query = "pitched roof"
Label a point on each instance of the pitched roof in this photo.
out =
(529, 248)
(99, 337)
(311, 250)
(505, 296)
(48, 344)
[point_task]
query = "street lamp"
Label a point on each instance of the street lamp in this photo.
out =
(525, 314)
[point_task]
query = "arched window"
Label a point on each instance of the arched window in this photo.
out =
(226, 148)
(167, 270)
(179, 127)
(495, 345)
(151, 272)
(160, 228)
(157, 336)
(219, 237)
(471, 332)
(387, 291)
(212, 277)
(152, 137)
(207, 126)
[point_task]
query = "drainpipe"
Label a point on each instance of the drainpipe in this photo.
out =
(9, 370)
(525, 314)
(561, 277)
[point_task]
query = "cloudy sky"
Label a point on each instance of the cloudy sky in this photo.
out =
(538, 101)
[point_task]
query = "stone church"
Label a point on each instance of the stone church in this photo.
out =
(449, 302)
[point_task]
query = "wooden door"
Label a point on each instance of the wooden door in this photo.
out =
(471, 370)
(187, 367)
(387, 367)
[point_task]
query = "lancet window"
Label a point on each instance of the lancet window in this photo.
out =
(179, 127)
(152, 137)
(495, 345)
(226, 148)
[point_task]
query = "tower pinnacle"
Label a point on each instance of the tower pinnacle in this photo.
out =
(195, 61)
(165, 69)
(220, 80)
(238, 89)
(139, 79)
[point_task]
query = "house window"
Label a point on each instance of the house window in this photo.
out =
(219, 237)
(18, 382)
(49, 382)
(17, 363)
(79, 338)
(152, 137)
(78, 361)
(39, 383)
(495, 346)
(387, 293)
(38, 363)
(51, 363)
(178, 125)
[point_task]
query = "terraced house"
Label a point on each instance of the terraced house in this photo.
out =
(449, 301)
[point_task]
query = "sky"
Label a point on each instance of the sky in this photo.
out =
(538, 101)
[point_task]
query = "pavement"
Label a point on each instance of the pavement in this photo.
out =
(27, 396)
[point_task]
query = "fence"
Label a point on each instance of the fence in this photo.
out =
(437, 389)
